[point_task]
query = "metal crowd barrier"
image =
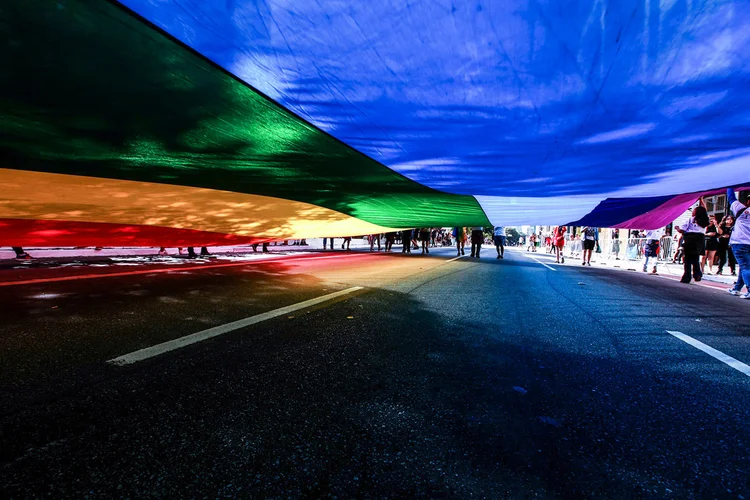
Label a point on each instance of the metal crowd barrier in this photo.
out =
(632, 249)
(624, 249)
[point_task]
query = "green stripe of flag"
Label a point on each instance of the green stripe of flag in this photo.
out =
(90, 89)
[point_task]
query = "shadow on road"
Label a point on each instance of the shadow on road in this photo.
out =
(374, 396)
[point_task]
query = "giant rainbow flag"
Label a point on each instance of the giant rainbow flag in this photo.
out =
(186, 122)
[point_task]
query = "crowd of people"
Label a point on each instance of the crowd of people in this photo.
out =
(581, 244)
(420, 238)
(477, 237)
(424, 238)
(730, 238)
(701, 243)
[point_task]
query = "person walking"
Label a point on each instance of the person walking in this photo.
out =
(389, 239)
(558, 240)
(424, 238)
(740, 242)
(724, 229)
(325, 241)
(373, 238)
(460, 234)
(20, 254)
(477, 238)
(651, 248)
(590, 238)
(693, 234)
(347, 241)
(406, 241)
(415, 238)
(499, 237)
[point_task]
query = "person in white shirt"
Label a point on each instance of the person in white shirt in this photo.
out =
(651, 248)
(499, 237)
(693, 234)
(740, 242)
(590, 236)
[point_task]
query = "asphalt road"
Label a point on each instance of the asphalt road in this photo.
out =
(439, 378)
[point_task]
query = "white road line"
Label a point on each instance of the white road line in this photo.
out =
(729, 360)
(172, 269)
(540, 262)
(454, 258)
(171, 345)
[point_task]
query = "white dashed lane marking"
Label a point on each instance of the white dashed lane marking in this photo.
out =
(194, 338)
(724, 358)
(540, 262)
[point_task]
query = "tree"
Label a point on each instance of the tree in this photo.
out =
(512, 236)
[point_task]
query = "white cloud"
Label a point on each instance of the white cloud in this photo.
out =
(619, 134)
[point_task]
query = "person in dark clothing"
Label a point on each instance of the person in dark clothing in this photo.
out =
(694, 234)
(389, 239)
(406, 240)
(712, 245)
(477, 238)
(424, 237)
(264, 249)
(415, 238)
